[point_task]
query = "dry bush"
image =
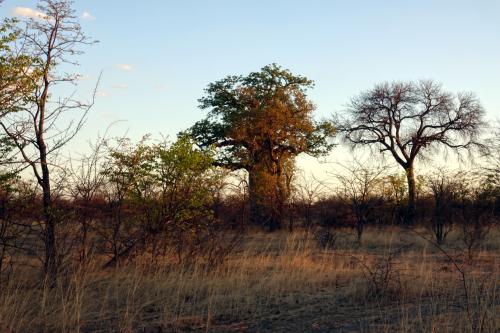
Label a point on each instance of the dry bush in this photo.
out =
(273, 282)
(18, 202)
(325, 237)
(383, 275)
(260, 283)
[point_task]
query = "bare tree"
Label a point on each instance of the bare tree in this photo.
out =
(491, 170)
(475, 212)
(86, 187)
(37, 129)
(443, 186)
(408, 118)
(358, 185)
(307, 191)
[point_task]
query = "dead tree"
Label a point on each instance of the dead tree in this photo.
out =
(308, 190)
(443, 187)
(358, 185)
(407, 119)
(491, 171)
(87, 182)
(475, 212)
(37, 130)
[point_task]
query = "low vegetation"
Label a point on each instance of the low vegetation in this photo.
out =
(277, 282)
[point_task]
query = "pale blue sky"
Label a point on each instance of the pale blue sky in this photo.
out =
(173, 49)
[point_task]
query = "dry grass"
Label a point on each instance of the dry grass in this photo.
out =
(276, 282)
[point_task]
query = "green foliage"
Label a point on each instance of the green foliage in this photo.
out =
(17, 76)
(260, 123)
(7, 176)
(8, 34)
(161, 193)
(188, 171)
(176, 176)
(248, 116)
(398, 191)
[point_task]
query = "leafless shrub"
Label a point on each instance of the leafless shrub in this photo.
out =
(474, 232)
(8, 234)
(325, 237)
(477, 299)
(359, 190)
(444, 186)
(307, 192)
(18, 203)
(383, 275)
(475, 213)
(86, 189)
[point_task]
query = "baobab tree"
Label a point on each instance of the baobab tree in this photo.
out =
(259, 123)
(35, 127)
(408, 119)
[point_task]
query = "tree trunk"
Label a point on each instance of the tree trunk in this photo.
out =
(253, 194)
(359, 229)
(411, 208)
(439, 231)
(266, 205)
(290, 219)
(50, 264)
(280, 195)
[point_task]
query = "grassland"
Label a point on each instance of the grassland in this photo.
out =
(395, 281)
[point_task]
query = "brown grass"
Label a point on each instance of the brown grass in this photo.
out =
(277, 282)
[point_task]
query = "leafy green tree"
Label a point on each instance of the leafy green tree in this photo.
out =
(167, 187)
(52, 40)
(14, 87)
(259, 123)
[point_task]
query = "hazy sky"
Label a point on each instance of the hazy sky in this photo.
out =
(158, 56)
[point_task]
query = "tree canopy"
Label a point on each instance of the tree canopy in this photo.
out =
(259, 123)
(408, 118)
(263, 113)
(17, 76)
